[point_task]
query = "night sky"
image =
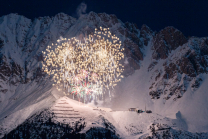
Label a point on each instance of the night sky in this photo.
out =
(189, 16)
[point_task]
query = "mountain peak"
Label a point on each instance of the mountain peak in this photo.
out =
(166, 40)
(163, 71)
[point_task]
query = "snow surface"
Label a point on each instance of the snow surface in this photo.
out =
(133, 90)
(127, 124)
(23, 100)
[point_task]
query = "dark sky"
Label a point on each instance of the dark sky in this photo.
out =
(189, 16)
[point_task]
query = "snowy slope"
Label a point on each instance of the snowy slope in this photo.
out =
(70, 114)
(22, 40)
(133, 91)
(164, 71)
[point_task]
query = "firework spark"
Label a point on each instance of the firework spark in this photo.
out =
(94, 62)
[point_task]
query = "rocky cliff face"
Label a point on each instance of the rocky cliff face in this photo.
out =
(177, 64)
(181, 69)
(167, 40)
(22, 40)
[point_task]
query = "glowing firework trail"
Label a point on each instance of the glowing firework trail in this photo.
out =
(94, 61)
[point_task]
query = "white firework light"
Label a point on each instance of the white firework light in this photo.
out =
(86, 68)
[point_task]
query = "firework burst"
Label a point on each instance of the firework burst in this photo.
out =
(85, 67)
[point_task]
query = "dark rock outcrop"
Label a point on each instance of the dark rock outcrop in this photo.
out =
(167, 40)
(41, 125)
(183, 67)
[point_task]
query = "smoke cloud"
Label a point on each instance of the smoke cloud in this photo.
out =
(81, 9)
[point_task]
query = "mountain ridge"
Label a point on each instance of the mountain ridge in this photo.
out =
(164, 67)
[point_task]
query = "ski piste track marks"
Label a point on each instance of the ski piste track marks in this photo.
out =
(64, 112)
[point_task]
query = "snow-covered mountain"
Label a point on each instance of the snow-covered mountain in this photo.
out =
(164, 71)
